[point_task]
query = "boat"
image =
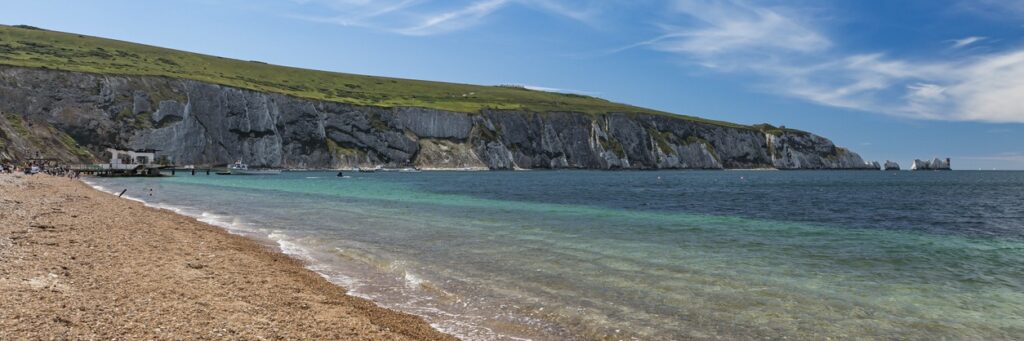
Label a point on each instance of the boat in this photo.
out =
(366, 170)
(239, 168)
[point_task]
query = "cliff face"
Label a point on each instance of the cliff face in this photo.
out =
(199, 123)
(935, 164)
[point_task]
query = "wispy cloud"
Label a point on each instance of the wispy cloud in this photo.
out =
(785, 49)
(359, 13)
(1017, 157)
(431, 17)
(1010, 160)
(793, 58)
(963, 42)
(585, 11)
(455, 19)
(732, 27)
(560, 90)
(1007, 160)
(994, 9)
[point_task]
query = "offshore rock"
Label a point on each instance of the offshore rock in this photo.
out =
(74, 116)
(936, 164)
(891, 165)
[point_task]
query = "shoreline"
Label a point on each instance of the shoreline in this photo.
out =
(76, 262)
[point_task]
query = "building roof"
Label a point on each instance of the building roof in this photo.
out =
(135, 150)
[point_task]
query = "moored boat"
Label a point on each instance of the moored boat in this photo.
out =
(366, 170)
(239, 168)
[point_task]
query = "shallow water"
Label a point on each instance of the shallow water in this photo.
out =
(647, 255)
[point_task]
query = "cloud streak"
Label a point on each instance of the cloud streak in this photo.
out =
(560, 90)
(960, 43)
(784, 49)
(1007, 160)
(432, 17)
(455, 19)
(1008, 156)
(729, 27)
(792, 58)
(356, 13)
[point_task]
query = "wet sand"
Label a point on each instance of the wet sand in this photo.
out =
(76, 263)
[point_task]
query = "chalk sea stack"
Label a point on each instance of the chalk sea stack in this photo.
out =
(935, 164)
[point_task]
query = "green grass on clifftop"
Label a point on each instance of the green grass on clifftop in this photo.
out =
(27, 46)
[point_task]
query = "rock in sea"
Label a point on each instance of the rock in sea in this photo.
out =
(935, 164)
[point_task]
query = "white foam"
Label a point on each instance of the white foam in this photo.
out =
(115, 192)
(232, 224)
(413, 281)
(134, 199)
(349, 283)
(214, 219)
(97, 187)
(289, 247)
(172, 208)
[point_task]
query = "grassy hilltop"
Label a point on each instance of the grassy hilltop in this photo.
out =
(28, 46)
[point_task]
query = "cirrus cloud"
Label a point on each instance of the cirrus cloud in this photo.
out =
(784, 49)
(431, 17)
(793, 58)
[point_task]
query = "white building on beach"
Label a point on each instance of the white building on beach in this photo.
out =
(131, 157)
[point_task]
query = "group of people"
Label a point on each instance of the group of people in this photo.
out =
(8, 168)
(32, 169)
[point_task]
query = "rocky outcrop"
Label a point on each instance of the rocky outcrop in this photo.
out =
(809, 151)
(193, 122)
(891, 165)
(935, 164)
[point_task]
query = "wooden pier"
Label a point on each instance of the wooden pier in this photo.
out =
(191, 171)
(136, 162)
(117, 169)
(138, 170)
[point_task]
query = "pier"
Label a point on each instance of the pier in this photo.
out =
(188, 170)
(118, 169)
(138, 162)
(138, 170)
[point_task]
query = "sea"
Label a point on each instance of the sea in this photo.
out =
(644, 255)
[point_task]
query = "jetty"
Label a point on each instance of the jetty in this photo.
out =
(136, 162)
(123, 162)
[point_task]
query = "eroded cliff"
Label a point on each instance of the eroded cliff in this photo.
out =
(75, 115)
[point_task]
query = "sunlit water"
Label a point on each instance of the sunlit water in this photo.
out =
(646, 255)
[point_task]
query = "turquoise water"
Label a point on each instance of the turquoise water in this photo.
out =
(647, 255)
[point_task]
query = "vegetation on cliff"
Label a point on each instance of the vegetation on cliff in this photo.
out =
(28, 46)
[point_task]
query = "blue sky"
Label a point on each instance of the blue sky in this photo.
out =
(893, 80)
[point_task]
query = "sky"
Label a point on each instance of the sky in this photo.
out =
(891, 80)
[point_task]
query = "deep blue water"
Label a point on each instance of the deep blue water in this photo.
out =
(649, 255)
